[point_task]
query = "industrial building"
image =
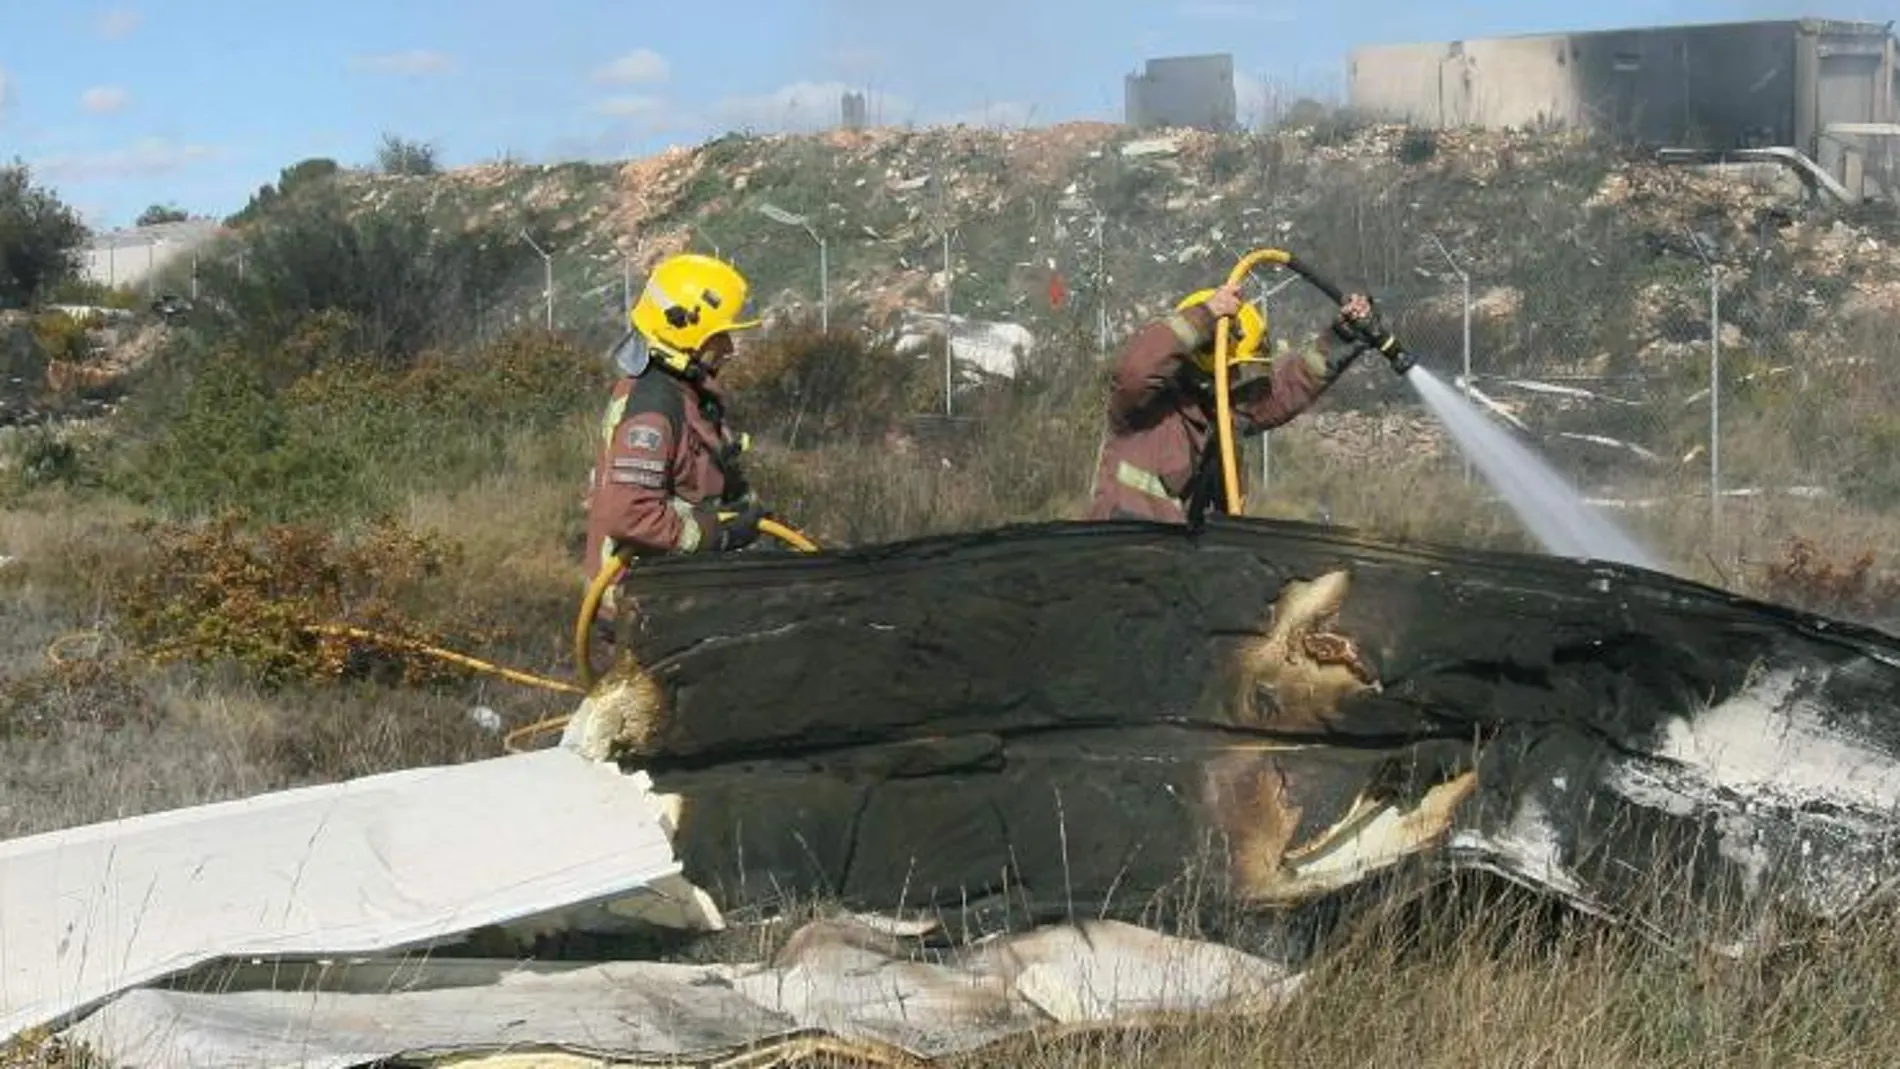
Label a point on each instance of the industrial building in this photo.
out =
(1824, 87)
(1183, 91)
(855, 113)
(133, 256)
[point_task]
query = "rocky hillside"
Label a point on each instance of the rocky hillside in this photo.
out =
(1589, 267)
(1563, 236)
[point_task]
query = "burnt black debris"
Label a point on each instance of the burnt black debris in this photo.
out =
(1085, 717)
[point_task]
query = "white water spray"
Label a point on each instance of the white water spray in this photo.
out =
(1543, 500)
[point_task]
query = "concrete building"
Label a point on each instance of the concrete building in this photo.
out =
(1823, 87)
(855, 115)
(129, 257)
(1183, 91)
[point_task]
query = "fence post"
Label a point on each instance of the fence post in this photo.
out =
(949, 351)
(1715, 404)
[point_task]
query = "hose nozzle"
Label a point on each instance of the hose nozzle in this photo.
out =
(1374, 337)
(1396, 355)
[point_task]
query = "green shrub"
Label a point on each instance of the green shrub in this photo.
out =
(305, 432)
(401, 283)
(231, 445)
(61, 337)
(808, 386)
(281, 601)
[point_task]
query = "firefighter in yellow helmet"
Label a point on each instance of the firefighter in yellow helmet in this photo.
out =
(666, 464)
(1161, 403)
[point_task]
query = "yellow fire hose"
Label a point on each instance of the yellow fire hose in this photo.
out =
(615, 566)
(1223, 404)
(610, 573)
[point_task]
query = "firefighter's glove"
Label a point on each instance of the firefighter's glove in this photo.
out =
(1365, 326)
(740, 531)
(1339, 360)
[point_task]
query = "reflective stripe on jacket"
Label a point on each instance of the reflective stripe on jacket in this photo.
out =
(1160, 415)
(659, 471)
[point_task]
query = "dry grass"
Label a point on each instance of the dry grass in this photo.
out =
(1476, 978)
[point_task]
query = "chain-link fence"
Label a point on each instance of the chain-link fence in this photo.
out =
(1701, 354)
(1698, 353)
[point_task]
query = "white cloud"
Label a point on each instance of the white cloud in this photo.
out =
(639, 67)
(119, 22)
(801, 107)
(104, 99)
(144, 158)
(1236, 11)
(414, 61)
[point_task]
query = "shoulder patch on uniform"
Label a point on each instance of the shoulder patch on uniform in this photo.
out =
(641, 436)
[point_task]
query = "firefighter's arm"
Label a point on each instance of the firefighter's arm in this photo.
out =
(1152, 357)
(636, 493)
(1294, 382)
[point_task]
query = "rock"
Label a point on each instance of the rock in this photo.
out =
(1151, 147)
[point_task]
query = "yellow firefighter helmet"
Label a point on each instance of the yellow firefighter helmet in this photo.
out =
(1246, 335)
(689, 298)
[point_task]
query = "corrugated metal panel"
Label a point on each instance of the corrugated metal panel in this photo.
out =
(370, 865)
(840, 978)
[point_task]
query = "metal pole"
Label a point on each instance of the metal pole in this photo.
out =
(1101, 286)
(824, 285)
(1266, 462)
(194, 274)
(949, 357)
(547, 274)
(1715, 403)
(1465, 286)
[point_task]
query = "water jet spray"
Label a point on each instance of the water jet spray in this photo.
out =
(1548, 506)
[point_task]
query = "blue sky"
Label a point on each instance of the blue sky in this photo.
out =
(197, 102)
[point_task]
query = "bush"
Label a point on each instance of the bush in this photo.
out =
(159, 214)
(40, 240)
(804, 385)
(309, 174)
(307, 431)
(401, 156)
(42, 456)
(232, 445)
(1847, 588)
(265, 600)
(1418, 145)
(403, 284)
(61, 337)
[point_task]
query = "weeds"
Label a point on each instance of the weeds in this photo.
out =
(219, 592)
(395, 473)
(1846, 587)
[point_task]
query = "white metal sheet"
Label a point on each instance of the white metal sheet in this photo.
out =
(370, 865)
(837, 978)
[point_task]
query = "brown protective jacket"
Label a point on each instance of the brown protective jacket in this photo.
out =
(662, 469)
(1159, 422)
